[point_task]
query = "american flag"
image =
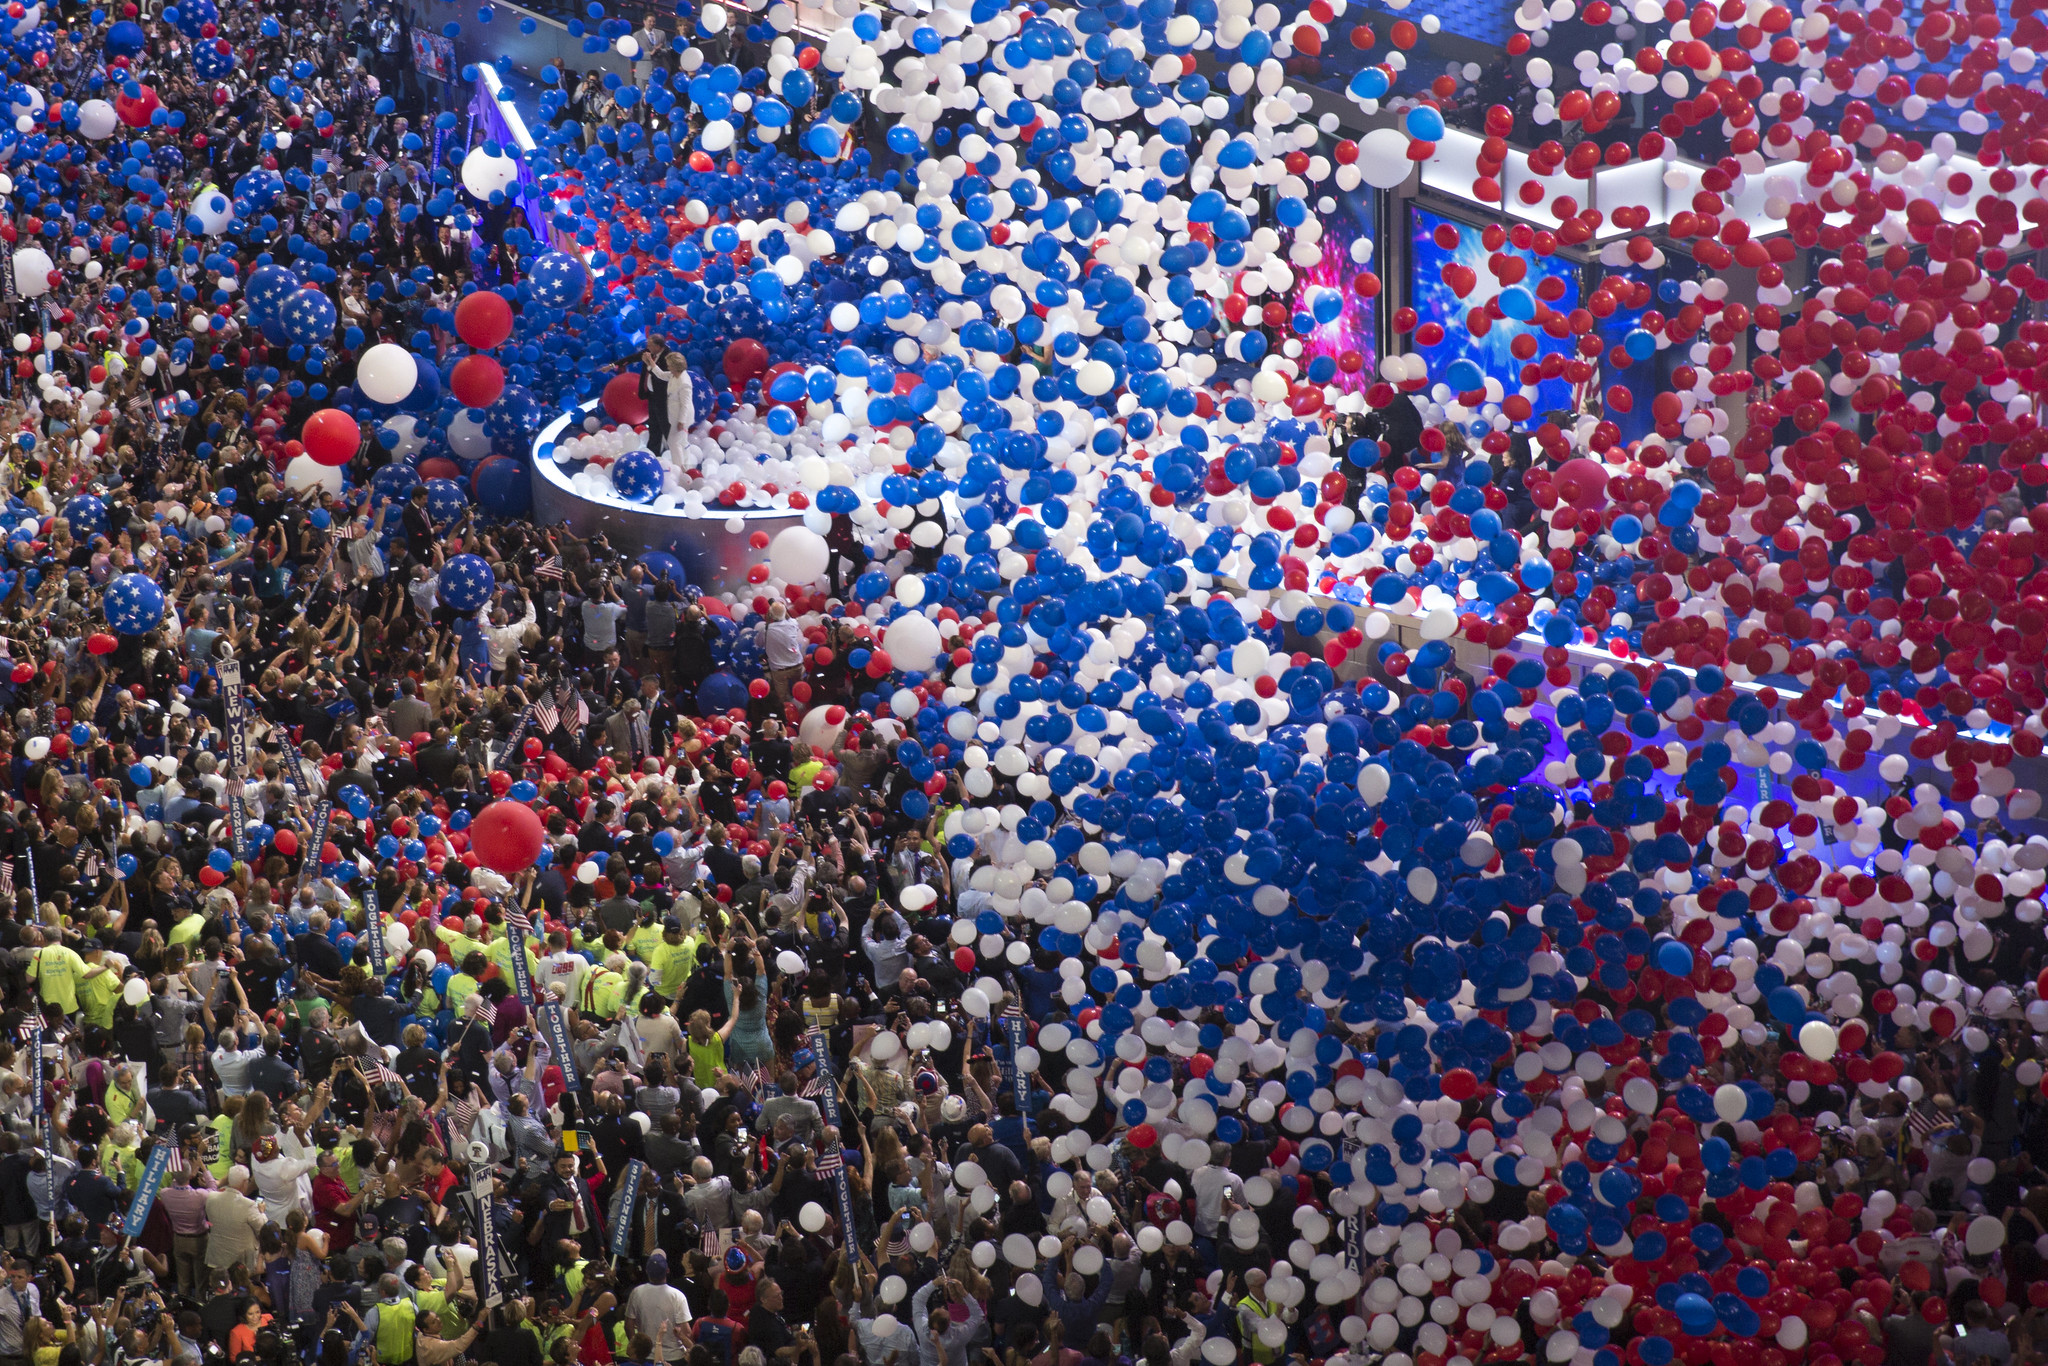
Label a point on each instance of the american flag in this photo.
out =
(516, 917)
(549, 568)
(813, 1088)
(831, 1159)
(176, 1161)
(461, 1116)
(349, 531)
(483, 1010)
(377, 1073)
(7, 878)
(572, 704)
(30, 1030)
(545, 717)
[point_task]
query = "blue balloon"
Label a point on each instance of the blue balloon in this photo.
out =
(307, 316)
(722, 691)
(445, 500)
(503, 487)
(124, 39)
(663, 565)
(559, 279)
(134, 604)
(467, 583)
(637, 476)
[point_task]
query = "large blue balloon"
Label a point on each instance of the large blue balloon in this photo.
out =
(722, 691)
(269, 286)
(134, 604)
(467, 582)
(308, 317)
(212, 60)
(663, 565)
(637, 476)
(87, 516)
(558, 279)
(124, 39)
(503, 487)
(258, 187)
(445, 500)
(194, 15)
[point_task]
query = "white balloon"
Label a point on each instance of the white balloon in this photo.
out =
(1731, 1102)
(97, 120)
(1383, 158)
(912, 641)
(1817, 1039)
(135, 991)
(213, 209)
(304, 472)
(811, 1216)
(798, 555)
(1985, 1236)
(32, 267)
(484, 174)
(387, 373)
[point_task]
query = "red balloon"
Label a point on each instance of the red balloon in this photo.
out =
(100, 643)
(439, 467)
(478, 380)
(533, 747)
(134, 110)
(287, 842)
(622, 399)
(758, 688)
(778, 789)
(1143, 1136)
(484, 319)
(211, 876)
(1582, 482)
(332, 437)
(506, 836)
(745, 359)
(963, 958)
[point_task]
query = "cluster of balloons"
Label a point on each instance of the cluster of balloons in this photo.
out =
(1118, 577)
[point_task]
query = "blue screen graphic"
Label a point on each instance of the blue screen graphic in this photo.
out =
(1434, 300)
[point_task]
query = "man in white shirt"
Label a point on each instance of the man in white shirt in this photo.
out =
(231, 1065)
(782, 642)
(1209, 1183)
(659, 1310)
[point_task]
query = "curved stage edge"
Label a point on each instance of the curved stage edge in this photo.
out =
(717, 560)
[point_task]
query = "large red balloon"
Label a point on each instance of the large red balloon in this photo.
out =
(622, 399)
(745, 359)
(439, 467)
(332, 437)
(506, 837)
(135, 110)
(477, 381)
(1582, 482)
(484, 319)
